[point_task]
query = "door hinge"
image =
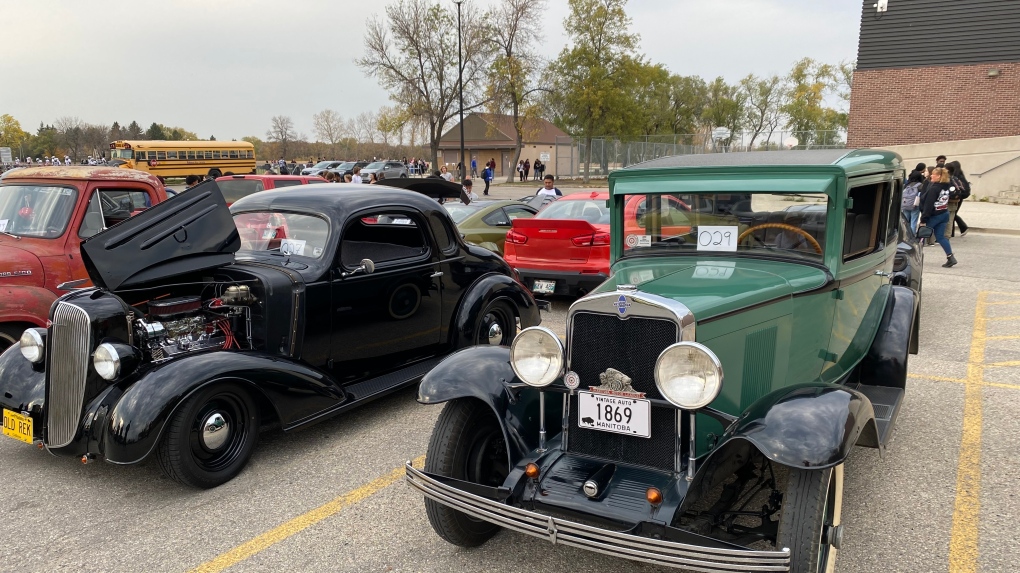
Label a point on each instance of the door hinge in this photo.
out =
(837, 294)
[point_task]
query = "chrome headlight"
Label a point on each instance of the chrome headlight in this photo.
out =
(689, 375)
(33, 347)
(536, 356)
(106, 360)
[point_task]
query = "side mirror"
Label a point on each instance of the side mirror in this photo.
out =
(924, 232)
(366, 266)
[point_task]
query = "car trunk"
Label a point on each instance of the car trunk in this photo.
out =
(555, 239)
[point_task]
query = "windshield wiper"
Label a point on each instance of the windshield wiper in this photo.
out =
(10, 235)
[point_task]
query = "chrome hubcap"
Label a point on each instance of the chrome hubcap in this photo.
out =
(215, 431)
(495, 333)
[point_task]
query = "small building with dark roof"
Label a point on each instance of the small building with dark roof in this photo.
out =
(490, 136)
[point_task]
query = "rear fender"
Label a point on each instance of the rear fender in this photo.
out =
(885, 364)
(139, 411)
(484, 373)
(810, 426)
(485, 290)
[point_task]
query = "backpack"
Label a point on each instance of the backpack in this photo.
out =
(910, 193)
(963, 189)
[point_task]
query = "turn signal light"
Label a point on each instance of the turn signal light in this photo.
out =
(531, 470)
(516, 238)
(593, 240)
(654, 496)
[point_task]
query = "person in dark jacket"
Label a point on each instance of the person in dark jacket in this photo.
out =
(957, 178)
(935, 211)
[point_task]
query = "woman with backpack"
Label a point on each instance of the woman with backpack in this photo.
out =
(911, 206)
(959, 181)
(935, 211)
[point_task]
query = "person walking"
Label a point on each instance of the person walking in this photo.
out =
(487, 177)
(520, 170)
(356, 178)
(935, 211)
(537, 167)
(445, 173)
(959, 181)
(527, 168)
(549, 187)
(474, 166)
(912, 199)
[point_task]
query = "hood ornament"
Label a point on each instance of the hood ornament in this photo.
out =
(617, 383)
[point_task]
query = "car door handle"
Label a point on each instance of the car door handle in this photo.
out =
(436, 275)
(881, 273)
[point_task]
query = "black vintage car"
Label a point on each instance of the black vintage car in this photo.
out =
(335, 296)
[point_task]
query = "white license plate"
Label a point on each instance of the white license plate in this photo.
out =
(544, 287)
(630, 416)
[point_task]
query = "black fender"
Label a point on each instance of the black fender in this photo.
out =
(138, 410)
(810, 426)
(484, 373)
(885, 364)
(22, 386)
(483, 291)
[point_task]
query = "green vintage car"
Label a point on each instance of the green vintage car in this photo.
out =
(485, 223)
(709, 392)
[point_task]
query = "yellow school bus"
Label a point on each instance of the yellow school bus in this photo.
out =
(183, 158)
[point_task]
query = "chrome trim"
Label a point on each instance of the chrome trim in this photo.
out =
(68, 363)
(618, 544)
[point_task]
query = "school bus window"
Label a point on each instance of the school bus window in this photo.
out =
(233, 154)
(191, 155)
(171, 155)
(208, 154)
(251, 154)
(161, 155)
(140, 155)
(216, 154)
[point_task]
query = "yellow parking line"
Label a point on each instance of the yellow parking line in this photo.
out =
(1004, 364)
(964, 381)
(1001, 302)
(963, 544)
(302, 522)
(1007, 337)
(1001, 318)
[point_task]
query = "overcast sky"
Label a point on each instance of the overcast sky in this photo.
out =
(225, 68)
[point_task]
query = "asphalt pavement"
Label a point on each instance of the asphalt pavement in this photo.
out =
(331, 498)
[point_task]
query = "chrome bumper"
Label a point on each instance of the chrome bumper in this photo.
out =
(617, 544)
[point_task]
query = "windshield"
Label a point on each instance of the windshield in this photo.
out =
(346, 166)
(122, 154)
(592, 210)
(283, 233)
(376, 165)
(460, 211)
(36, 211)
(321, 165)
(784, 224)
(234, 189)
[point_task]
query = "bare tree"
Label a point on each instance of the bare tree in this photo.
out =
(281, 131)
(412, 52)
(330, 127)
(70, 133)
(96, 139)
(513, 81)
(763, 102)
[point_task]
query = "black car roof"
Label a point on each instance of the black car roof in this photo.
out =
(335, 200)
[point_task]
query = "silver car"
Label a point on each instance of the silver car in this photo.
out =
(390, 169)
(319, 167)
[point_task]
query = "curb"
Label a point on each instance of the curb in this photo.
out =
(1012, 232)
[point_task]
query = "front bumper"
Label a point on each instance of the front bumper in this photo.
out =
(617, 544)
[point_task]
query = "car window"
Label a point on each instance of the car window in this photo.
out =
(497, 219)
(593, 211)
(235, 189)
(442, 232)
(865, 220)
(294, 234)
(385, 237)
(286, 183)
(459, 211)
(518, 212)
(36, 210)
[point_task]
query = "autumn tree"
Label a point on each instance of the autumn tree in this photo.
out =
(70, 130)
(812, 122)
(329, 127)
(257, 143)
(412, 53)
(764, 99)
(11, 134)
(281, 132)
(95, 140)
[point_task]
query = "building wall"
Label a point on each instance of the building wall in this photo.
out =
(531, 151)
(991, 165)
(931, 104)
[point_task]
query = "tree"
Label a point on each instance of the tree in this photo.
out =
(389, 124)
(155, 132)
(763, 102)
(412, 53)
(725, 107)
(329, 127)
(70, 130)
(95, 139)
(257, 143)
(809, 84)
(594, 79)
(513, 78)
(689, 96)
(115, 132)
(11, 134)
(281, 132)
(133, 131)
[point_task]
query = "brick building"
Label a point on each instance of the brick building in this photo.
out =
(941, 72)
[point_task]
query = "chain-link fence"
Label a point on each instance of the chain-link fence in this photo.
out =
(609, 154)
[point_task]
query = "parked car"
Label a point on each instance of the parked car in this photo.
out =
(319, 167)
(389, 169)
(710, 391)
(183, 349)
(565, 248)
(347, 168)
(45, 213)
(485, 223)
(235, 187)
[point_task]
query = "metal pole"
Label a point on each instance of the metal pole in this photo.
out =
(460, 90)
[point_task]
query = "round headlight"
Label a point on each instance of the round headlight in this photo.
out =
(689, 375)
(32, 347)
(537, 356)
(106, 361)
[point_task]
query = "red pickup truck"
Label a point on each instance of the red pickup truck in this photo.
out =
(45, 213)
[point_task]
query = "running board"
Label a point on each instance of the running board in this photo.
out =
(886, 402)
(387, 383)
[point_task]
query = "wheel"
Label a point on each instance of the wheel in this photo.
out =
(211, 437)
(497, 325)
(810, 521)
(9, 334)
(467, 444)
(215, 173)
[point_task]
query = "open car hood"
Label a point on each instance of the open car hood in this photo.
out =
(435, 187)
(190, 232)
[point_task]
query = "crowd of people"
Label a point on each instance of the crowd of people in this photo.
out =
(932, 197)
(48, 162)
(525, 167)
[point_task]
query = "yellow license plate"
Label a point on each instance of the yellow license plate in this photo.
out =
(17, 426)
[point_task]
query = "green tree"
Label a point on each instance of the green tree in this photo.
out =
(155, 132)
(688, 97)
(724, 108)
(116, 133)
(11, 134)
(133, 131)
(809, 84)
(764, 99)
(257, 143)
(594, 80)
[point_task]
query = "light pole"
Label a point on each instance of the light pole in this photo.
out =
(460, 92)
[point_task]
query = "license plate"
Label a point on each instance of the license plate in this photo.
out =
(17, 426)
(544, 287)
(617, 414)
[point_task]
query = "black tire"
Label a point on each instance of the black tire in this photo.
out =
(215, 173)
(810, 521)
(186, 457)
(10, 333)
(497, 325)
(467, 444)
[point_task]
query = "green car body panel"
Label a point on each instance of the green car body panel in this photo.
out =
(477, 231)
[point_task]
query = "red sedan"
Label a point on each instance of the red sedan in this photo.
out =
(565, 248)
(234, 187)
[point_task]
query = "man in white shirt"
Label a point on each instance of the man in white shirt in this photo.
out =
(549, 189)
(356, 178)
(471, 195)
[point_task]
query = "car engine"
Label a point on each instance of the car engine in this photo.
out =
(181, 325)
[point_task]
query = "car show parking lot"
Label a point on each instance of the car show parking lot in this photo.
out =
(332, 497)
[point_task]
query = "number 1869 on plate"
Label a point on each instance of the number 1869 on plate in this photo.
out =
(618, 414)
